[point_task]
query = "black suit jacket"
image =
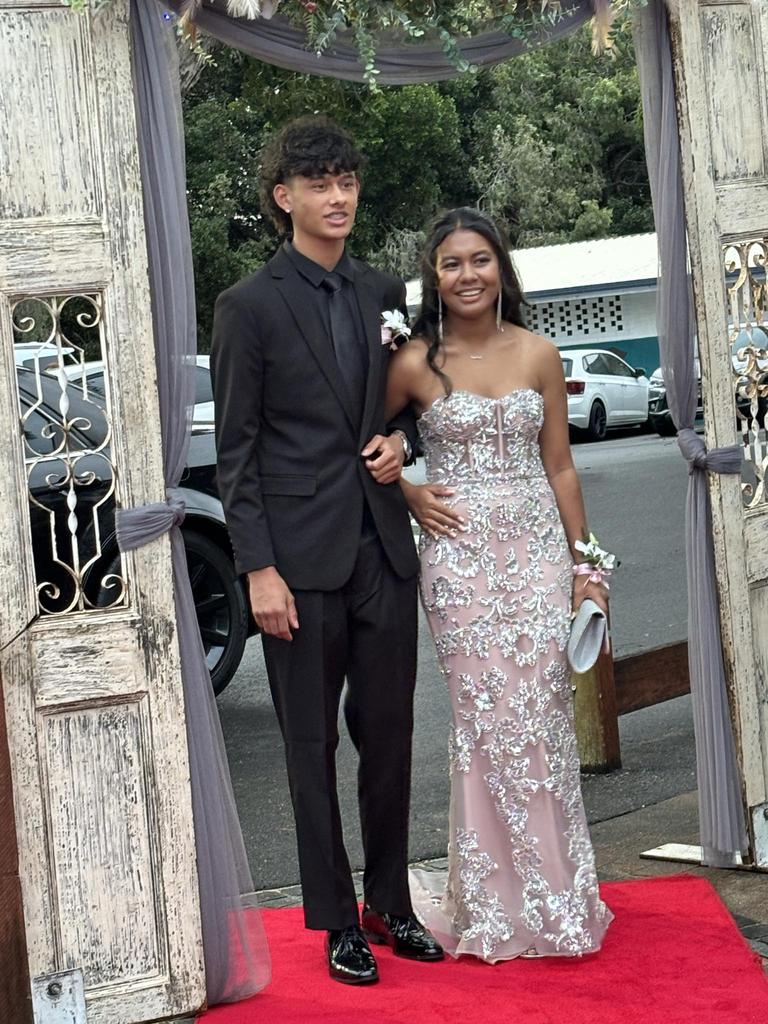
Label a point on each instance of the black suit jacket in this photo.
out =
(290, 474)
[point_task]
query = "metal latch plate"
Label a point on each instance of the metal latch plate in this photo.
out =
(760, 832)
(59, 998)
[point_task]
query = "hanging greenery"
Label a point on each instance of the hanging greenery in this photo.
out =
(411, 19)
(414, 20)
(446, 20)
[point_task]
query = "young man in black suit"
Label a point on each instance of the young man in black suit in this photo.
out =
(308, 473)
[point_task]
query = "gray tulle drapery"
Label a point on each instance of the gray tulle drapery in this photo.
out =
(235, 951)
(236, 957)
(721, 813)
(234, 945)
(277, 41)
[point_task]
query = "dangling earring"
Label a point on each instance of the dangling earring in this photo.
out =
(440, 316)
(498, 314)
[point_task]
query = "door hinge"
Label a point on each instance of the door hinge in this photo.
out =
(59, 998)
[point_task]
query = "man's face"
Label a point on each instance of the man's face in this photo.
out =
(324, 207)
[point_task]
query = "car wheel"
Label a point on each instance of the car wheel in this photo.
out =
(598, 422)
(221, 606)
(663, 426)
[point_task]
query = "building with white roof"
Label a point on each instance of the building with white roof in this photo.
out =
(600, 294)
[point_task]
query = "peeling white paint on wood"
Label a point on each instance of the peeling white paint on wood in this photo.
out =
(94, 702)
(35, 252)
(49, 165)
(735, 83)
(723, 43)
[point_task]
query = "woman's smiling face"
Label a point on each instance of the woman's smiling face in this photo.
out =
(467, 274)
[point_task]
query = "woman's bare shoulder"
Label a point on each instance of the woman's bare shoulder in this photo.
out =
(544, 351)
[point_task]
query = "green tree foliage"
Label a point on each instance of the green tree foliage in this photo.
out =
(556, 143)
(411, 136)
(550, 143)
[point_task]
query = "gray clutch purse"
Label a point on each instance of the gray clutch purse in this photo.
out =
(589, 633)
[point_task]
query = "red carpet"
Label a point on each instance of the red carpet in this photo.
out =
(672, 956)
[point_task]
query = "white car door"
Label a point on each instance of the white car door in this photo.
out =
(606, 386)
(634, 393)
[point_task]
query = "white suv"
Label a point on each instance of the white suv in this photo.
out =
(603, 391)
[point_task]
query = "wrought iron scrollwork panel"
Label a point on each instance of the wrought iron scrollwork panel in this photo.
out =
(745, 265)
(65, 421)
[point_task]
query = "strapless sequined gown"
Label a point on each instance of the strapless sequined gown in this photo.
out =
(521, 877)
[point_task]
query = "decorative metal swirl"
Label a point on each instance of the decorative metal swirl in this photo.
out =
(745, 267)
(66, 429)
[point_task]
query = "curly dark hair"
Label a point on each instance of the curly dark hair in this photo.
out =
(512, 300)
(311, 146)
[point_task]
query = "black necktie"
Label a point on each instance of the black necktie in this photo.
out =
(348, 345)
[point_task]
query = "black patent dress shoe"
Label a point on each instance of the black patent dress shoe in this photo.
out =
(350, 959)
(404, 935)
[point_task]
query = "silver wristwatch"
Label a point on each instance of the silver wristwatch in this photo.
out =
(407, 450)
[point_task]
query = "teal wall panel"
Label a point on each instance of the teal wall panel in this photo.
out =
(636, 351)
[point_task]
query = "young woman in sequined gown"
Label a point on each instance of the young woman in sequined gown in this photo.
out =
(500, 513)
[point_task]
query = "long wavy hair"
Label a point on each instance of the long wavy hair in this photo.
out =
(512, 301)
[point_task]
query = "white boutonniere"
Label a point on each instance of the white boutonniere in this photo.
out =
(393, 326)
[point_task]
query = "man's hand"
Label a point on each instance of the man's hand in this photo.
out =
(272, 603)
(384, 458)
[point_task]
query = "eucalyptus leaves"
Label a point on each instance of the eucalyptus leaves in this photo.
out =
(406, 20)
(414, 20)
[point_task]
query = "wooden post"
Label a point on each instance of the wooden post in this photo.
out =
(15, 995)
(597, 722)
(651, 677)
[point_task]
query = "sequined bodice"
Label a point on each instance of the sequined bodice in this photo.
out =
(476, 441)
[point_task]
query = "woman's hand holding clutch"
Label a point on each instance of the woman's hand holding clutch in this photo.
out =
(592, 569)
(584, 589)
(433, 515)
(589, 621)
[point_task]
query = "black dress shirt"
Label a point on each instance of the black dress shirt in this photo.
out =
(315, 295)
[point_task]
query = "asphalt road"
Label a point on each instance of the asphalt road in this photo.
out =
(635, 492)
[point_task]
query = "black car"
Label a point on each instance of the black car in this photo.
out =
(659, 416)
(72, 511)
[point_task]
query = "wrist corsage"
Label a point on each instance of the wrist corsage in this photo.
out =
(394, 327)
(597, 564)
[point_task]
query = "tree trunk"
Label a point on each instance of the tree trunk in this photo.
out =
(191, 61)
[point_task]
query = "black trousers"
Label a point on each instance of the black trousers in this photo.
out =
(367, 632)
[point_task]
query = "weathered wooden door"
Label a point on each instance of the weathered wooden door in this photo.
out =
(721, 67)
(90, 664)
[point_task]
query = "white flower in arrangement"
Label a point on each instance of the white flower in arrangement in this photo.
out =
(251, 9)
(393, 326)
(594, 554)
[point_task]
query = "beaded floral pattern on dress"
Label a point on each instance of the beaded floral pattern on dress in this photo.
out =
(521, 876)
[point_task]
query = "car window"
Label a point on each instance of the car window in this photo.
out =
(39, 440)
(617, 366)
(596, 363)
(567, 367)
(96, 384)
(203, 388)
(89, 422)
